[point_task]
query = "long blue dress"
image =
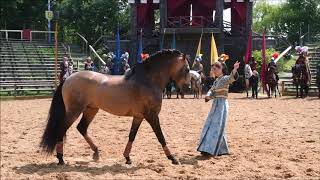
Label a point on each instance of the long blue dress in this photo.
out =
(213, 139)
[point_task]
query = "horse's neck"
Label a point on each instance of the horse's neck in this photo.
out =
(151, 76)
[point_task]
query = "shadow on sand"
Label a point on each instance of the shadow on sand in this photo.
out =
(42, 169)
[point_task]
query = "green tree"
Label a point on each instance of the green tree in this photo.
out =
(288, 18)
(92, 18)
(22, 14)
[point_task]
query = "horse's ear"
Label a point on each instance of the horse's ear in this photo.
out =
(185, 57)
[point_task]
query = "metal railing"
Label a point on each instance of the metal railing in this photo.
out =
(84, 43)
(8, 32)
(192, 21)
(97, 55)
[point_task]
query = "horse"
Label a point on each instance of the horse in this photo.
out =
(196, 84)
(167, 90)
(137, 94)
(300, 79)
(254, 81)
(272, 81)
(318, 79)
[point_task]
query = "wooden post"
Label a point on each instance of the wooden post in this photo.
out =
(282, 88)
(56, 55)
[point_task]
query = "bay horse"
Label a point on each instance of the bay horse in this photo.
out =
(300, 79)
(196, 84)
(272, 82)
(137, 94)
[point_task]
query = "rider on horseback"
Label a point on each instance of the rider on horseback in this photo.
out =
(197, 66)
(272, 63)
(301, 71)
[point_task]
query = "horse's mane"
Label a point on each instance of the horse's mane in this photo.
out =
(164, 55)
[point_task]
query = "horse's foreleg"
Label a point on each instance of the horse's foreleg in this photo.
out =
(136, 122)
(153, 120)
(87, 117)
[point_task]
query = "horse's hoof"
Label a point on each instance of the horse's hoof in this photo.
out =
(173, 160)
(96, 156)
(128, 160)
(60, 163)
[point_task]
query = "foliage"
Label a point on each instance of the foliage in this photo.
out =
(22, 14)
(90, 18)
(284, 64)
(288, 18)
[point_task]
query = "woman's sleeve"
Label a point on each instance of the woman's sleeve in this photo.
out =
(230, 78)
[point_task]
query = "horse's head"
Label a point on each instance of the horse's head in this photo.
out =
(179, 71)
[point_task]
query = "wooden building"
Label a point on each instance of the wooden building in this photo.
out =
(187, 20)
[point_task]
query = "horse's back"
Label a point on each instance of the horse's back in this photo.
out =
(82, 86)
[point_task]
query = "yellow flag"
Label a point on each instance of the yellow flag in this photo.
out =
(199, 47)
(214, 52)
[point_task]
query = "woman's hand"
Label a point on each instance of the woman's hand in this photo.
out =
(236, 65)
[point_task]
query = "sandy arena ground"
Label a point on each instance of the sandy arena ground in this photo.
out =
(268, 139)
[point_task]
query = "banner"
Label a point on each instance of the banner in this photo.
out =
(214, 52)
(264, 62)
(199, 47)
(249, 48)
(116, 69)
(139, 52)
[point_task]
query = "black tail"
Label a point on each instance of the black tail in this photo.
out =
(55, 129)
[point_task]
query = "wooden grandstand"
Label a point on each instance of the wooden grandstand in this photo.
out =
(28, 68)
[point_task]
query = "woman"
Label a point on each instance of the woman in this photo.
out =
(212, 139)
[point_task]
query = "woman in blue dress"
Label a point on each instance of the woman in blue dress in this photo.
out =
(213, 141)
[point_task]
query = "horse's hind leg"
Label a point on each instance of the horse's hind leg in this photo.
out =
(278, 90)
(87, 117)
(136, 122)
(71, 116)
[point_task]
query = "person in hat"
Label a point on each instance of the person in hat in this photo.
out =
(253, 64)
(144, 56)
(64, 69)
(197, 66)
(124, 65)
(223, 58)
(88, 64)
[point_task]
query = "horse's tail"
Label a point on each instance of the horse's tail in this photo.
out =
(56, 122)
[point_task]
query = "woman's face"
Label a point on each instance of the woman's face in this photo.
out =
(217, 69)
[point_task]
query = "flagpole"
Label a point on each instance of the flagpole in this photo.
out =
(56, 55)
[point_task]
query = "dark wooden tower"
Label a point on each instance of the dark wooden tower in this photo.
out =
(187, 20)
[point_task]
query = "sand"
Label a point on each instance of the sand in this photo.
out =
(268, 139)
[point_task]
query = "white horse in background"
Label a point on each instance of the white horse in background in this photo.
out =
(196, 84)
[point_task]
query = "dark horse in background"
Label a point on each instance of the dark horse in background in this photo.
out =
(254, 83)
(137, 94)
(168, 90)
(318, 79)
(272, 81)
(300, 79)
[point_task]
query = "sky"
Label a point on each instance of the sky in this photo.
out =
(227, 12)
